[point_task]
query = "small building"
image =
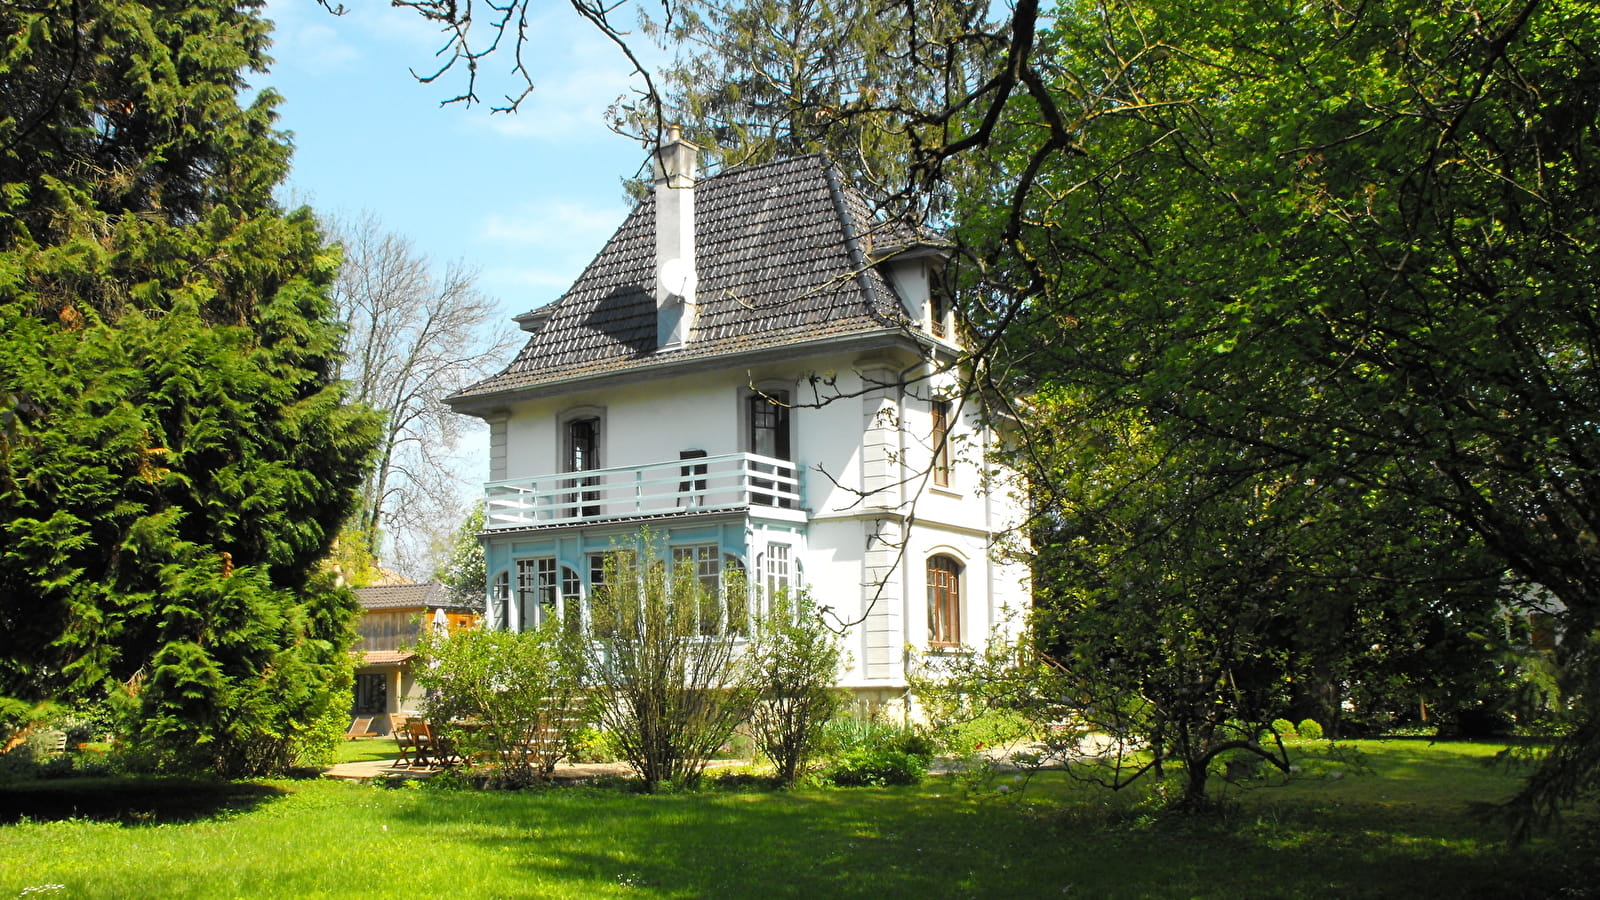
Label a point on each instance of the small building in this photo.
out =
(768, 377)
(392, 618)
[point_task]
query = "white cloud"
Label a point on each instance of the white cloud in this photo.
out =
(563, 224)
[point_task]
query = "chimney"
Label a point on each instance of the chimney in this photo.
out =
(675, 264)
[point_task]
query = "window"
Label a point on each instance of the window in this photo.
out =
(582, 454)
(941, 443)
(944, 601)
(372, 693)
(691, 491)
(536, 591)
(703, 562)
(938, 311)
(583, 444)
(723, 596)
(502, 600)
(571, 599)
(769, 436)
(778, 572)
(606, 599)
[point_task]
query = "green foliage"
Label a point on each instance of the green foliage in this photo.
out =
(1283, 727)
(662, 656)
(767, 79)
(510, 700)
(1337, 261)
(591, 745)
(877, 767)
(177, 455)
(1308, 729)
(991, 729)
(792, 661)
(466, 570)
(871, 751)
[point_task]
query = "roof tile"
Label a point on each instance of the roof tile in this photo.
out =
(781, 254)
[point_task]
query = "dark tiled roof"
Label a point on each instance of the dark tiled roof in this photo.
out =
(432, 595)
(783, 253)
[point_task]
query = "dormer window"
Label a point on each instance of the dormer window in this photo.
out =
(938, 313)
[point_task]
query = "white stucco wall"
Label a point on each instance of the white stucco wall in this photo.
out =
(837, 548)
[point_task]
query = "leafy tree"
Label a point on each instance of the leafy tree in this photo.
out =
(1348, 242)
(663, 656)
(792, 659)
(754, 81)
(1190, 595)
(414, 335)
(178, 454)
(520, 690)
(465, 569)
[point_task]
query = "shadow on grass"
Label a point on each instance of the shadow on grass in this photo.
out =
(130, 801)
(931, 841)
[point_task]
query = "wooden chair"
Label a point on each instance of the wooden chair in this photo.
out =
(361, 726)
(422, 743)
(404, 741)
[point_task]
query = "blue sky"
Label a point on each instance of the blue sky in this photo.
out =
(527, 198)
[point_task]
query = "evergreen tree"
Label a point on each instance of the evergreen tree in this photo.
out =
(178, 455)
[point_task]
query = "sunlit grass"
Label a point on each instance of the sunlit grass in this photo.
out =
(364, 749)
(1402, 830)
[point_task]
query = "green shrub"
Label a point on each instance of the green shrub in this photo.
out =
(518, 690)
(1310, 730)
(591, 745)
(876, 767)
(1284, 727)
(992, 728)
(793, 659)
(874, 752)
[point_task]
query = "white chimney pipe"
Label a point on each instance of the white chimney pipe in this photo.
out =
(675, 170)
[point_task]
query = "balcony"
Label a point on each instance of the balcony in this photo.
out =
(735, 481)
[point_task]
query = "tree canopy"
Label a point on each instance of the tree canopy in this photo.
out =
(1354, 244)
(178, 455)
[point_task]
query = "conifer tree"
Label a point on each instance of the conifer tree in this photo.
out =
(177, 455)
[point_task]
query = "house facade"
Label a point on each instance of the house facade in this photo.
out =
(392, 618)
(763, 375)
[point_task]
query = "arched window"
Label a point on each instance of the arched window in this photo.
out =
(944, 601)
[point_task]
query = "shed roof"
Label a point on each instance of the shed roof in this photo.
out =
(784, 253)
(433, 595)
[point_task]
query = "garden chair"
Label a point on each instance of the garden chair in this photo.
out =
(361, 726)
(405, 742)
(422, 742)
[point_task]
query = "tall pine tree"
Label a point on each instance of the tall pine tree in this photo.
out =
(177, 455)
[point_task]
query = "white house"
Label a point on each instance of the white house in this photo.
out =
(763, 375)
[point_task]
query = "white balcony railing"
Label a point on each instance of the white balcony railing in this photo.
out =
(707, 483)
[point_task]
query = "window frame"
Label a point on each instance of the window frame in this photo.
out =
(943, 574)
(757, 406)
(366, 700)
(568, 459)
(538, 576)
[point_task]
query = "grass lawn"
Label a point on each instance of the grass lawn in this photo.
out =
(363, 749)
(1400, 831)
